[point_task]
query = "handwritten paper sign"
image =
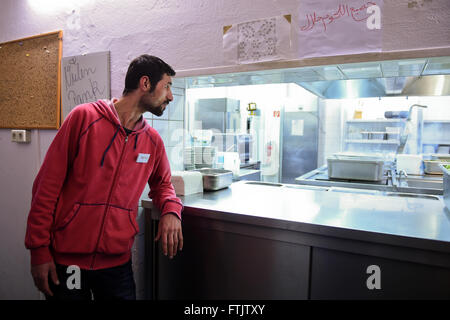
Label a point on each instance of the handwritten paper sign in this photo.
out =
(85, 78)
(339, 27)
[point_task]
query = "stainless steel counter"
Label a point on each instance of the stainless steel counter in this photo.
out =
(343, 214)
(307, 242)
(415, 184)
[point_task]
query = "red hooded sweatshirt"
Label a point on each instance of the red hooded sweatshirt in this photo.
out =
(85, 196)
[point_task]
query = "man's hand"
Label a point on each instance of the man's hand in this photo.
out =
(40, 276)
(169, 231)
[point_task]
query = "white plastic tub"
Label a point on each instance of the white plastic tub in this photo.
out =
(410, 163)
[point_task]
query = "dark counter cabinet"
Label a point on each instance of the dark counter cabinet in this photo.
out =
(283, 243)
(216, 264)
(250, 262)
(343, 275)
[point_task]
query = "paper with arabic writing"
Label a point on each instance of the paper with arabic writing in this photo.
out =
(337, 27)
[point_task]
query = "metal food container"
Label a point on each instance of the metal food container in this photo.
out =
(374, 135)
(446, 185)
(355, 168)
(440, 157)
(215, 179)
(433, 166)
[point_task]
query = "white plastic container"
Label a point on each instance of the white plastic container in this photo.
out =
(410, 163)
(232, 162)
(187, 182)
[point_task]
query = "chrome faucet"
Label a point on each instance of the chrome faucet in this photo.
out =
(400, 173)
(410, 109)
(407, 129)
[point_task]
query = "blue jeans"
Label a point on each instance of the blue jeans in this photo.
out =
(116, 283)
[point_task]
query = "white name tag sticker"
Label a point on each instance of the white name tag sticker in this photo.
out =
(143, 158)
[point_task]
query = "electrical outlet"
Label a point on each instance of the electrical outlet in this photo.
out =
(22, 136)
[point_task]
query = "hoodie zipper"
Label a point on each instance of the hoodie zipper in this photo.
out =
(108, 201)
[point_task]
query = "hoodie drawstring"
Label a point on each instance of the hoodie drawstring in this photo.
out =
(109, 146)
(135, 141)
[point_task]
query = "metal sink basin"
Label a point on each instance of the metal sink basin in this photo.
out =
(354, 191)
(412, 195)
(305, 187)
(292, 186)
(270, 184)
(419, 185)
(424, 184)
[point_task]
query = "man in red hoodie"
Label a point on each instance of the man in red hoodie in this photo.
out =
(85, 196)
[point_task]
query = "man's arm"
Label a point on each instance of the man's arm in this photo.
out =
(46, 189)
(170, 233)
(163, 195)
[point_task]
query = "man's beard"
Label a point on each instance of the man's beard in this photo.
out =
(158, 110)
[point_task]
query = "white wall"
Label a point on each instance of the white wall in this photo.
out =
(185, 33)
(330, 129)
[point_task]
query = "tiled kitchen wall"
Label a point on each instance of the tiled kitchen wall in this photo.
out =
(330, 129)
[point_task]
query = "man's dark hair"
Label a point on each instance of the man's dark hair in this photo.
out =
(146, 65)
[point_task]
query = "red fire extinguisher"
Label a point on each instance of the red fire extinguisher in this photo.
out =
(269, 149)
(268, 158)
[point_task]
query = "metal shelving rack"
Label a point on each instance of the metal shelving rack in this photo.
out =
(362, 135)
(435, 133)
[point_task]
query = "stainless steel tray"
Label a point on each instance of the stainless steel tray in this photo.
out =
(433, 166)
(215, 179)
(354, 168)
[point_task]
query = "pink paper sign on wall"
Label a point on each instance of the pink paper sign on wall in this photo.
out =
(339, 27)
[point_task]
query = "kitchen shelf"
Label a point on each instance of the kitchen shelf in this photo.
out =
(374, 135)
(437, 141)
(372, 141)
(376, 121)
(437, 121)
(435, 132)
(375, 132)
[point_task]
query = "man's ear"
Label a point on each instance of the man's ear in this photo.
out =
(145, 83)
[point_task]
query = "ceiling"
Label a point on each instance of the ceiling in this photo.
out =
(409, 77)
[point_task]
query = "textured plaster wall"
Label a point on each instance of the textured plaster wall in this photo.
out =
(415, 24)
(187, 34)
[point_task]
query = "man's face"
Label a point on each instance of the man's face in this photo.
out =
(156, 101)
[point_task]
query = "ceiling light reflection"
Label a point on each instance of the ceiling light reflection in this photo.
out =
(52, 6)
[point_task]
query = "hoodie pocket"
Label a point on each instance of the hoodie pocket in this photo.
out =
(78, 231)
(119, 231)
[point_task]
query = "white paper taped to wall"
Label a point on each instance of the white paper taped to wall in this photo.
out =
(297, 127)
(85, 78)
(339, 27)
(257, 41)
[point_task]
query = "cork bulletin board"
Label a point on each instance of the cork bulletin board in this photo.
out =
(30, 77)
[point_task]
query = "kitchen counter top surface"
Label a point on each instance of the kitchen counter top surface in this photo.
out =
(417, 222)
